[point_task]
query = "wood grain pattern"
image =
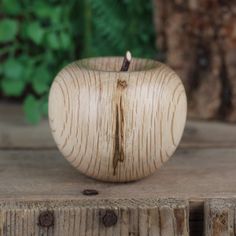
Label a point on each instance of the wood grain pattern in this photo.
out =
(194, 174)
(45, 178)
(220, 217)
(117, 126)
(32, 181)
(12, 126)
(153, 218)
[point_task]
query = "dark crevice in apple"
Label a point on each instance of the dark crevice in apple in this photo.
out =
(119, 129)
(116, 157)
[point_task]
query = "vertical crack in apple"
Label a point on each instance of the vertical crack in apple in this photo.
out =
(119, 154)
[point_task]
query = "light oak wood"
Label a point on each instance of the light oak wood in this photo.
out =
(117, 126)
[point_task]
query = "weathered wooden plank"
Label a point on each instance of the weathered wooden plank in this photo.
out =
(219, 217)
(16, 133)
(209, 134)
(192, 174)
(127, 217)
(44, 174)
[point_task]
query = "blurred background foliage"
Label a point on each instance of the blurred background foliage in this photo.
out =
(37, 38)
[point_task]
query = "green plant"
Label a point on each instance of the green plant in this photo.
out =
(111, 27)
(37, 38)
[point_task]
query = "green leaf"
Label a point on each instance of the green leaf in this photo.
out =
(12, 88)
(41, 79)
(29, 67)
(13, 69)
(45, 108)
(65, 40)
(35, 32)
(56, 15)
(40, 88)
(49, 56)
(11, 7)
(39, 85)
(42, 10)
(44, 105)
(32, 109)
(28, 73)
(8, 30)
(53, 40)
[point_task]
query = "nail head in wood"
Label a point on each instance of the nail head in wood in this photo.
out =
(46, 219)
(90, 192)
(109, 219)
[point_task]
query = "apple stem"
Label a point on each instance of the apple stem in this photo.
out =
(126, 61)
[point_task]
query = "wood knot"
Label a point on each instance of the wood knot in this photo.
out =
(121, 84)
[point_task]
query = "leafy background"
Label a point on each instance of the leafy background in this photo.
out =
(37, 38)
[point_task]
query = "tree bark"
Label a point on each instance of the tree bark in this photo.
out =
(198, 40)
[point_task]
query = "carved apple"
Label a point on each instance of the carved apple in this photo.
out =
(117, 126)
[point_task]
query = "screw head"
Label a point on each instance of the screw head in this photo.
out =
(46, 219)
(90, 192)
(109, 219)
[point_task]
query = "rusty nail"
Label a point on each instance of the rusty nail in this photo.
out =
(109, 219)
(46, 219)
(90, 192)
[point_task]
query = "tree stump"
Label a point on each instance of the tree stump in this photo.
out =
(198, 40)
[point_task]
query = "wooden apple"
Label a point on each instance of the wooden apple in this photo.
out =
(117, 126)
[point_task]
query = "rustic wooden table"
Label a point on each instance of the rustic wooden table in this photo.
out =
(41, 194)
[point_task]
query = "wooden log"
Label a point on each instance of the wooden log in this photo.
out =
(200, 46)
(219, 217)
